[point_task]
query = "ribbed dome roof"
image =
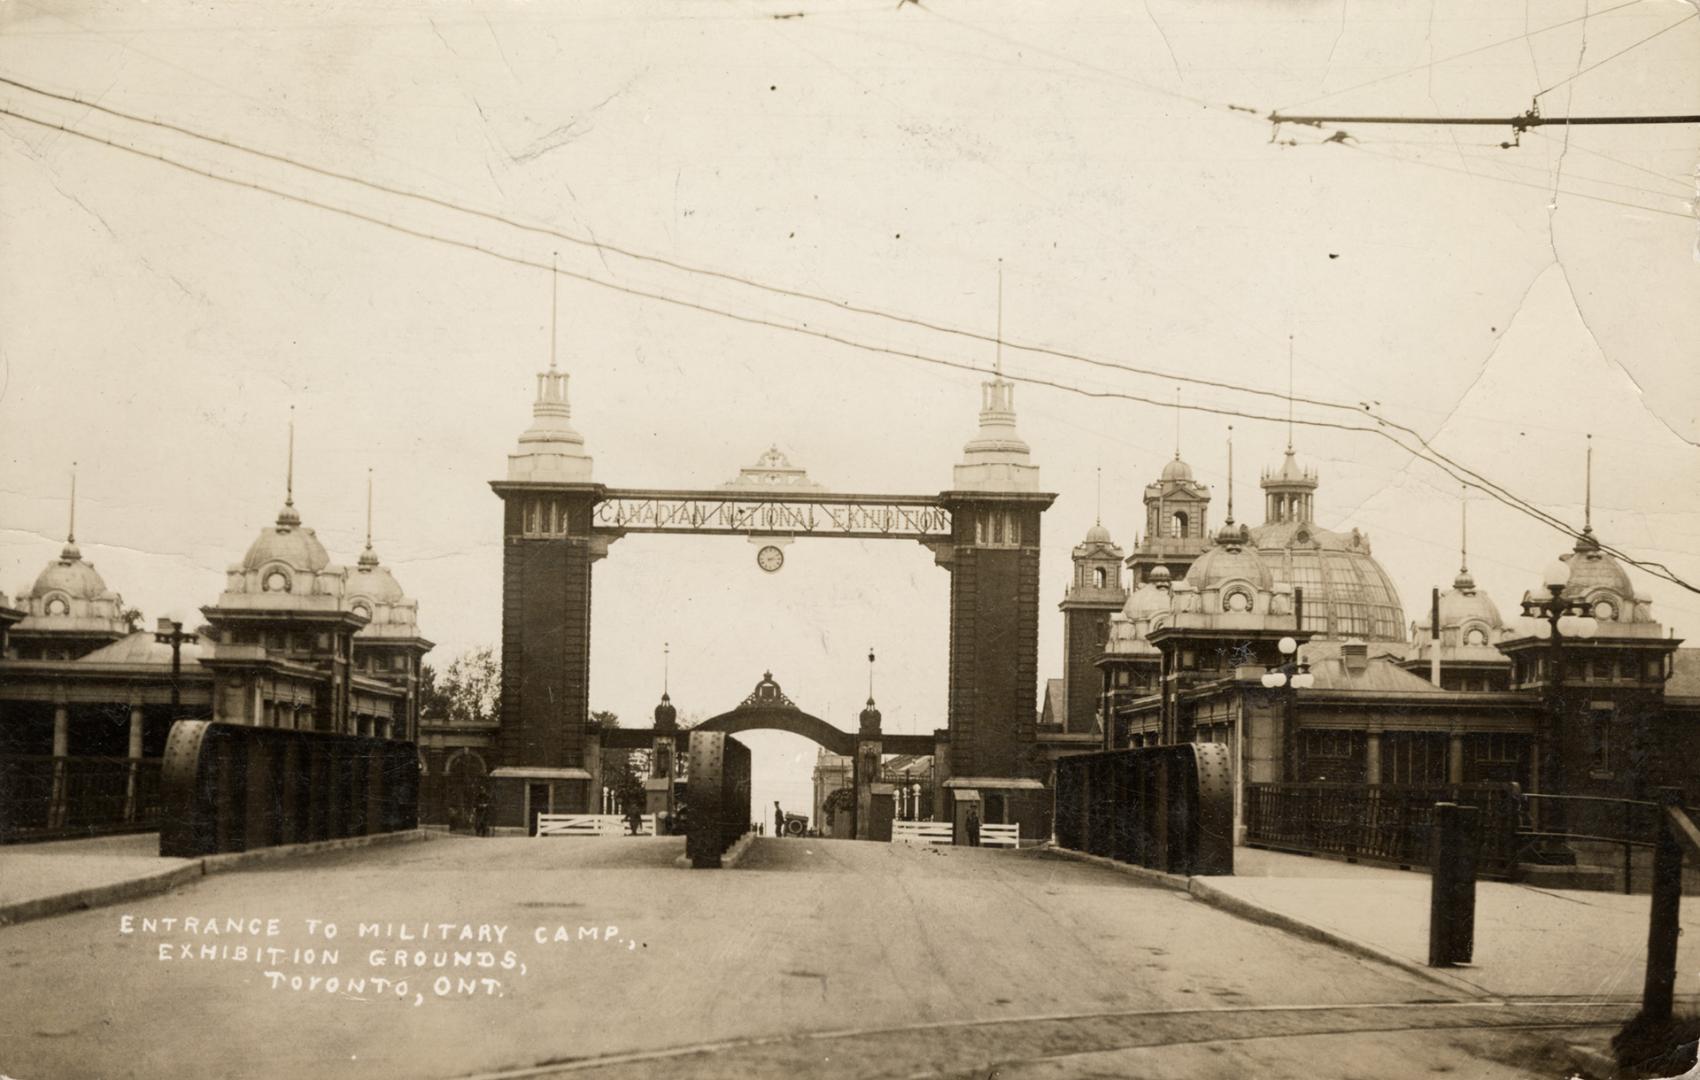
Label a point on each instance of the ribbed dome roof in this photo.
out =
(288, 542)
(1097, 534)
(70, 575)
(1346, 592)
(1147, 600)
(1221, 564)
(1460, 606)
(1177, 470)
(1592, 570)
(375, 581)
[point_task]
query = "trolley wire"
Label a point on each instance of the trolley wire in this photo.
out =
(1455, 470)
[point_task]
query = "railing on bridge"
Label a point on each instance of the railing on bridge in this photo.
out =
(1653, 1034)
(717, 797)
(47, 798)
(1387, 823)
(230, 787)
(1621, 826)
(1169, 808)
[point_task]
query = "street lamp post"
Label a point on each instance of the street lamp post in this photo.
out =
(1290, 676)
(170, 632)
(1555, 618)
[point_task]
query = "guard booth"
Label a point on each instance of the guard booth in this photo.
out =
(521, 792)
(999, 800)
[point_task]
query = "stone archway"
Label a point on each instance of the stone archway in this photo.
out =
(768, 709)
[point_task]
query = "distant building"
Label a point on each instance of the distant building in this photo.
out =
(292, 642)
(1391, 703)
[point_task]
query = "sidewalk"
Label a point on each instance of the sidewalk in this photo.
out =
(1528, 941)
(39, 880)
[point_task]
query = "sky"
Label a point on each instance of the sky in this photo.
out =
(157, 326)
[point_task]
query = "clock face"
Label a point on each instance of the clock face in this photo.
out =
(770, 558)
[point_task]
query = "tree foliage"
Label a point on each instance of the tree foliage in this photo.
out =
(468, 691)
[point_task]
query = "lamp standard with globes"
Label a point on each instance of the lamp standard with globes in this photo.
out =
(1554, 619)
(1292, 675)
(170, 632)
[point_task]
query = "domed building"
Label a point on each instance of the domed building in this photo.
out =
(287, 645)
(1615, 727)
(68, 611)
(1177, 522)
(1346, 592)
(1094, 595)
(1464, 654)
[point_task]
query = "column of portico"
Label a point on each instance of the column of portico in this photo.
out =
(56, 804)
(133, 781)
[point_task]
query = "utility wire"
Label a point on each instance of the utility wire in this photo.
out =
(1445, 465)
(601, 246)
(1487, 485)
(1490, 488)
(1467, 52)
(1358, 409)
(1583, 71)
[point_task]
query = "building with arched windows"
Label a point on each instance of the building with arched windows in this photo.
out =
(1458, 695)
(88, 697)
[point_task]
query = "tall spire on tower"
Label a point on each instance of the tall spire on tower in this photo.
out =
(70, 552)
(1289, 393)
(1098, 508)
(1177, 423)
(1464, 582)
(1230, 520)
(996, 459)
(1588, 541)
(288, 516)
(550, 451)
(368, 557)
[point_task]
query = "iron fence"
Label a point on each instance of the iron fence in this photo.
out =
(1628, 825)
(1379, 822)
(1168, 808)
(48, 798)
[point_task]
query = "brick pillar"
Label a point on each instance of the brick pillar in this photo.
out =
(547, 553)
(993, 557)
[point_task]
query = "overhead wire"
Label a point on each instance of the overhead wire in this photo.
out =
(1461, 55)
(1606, 60)
(1438, 460)
(607, 247)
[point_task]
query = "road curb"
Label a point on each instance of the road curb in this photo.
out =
(1200, 889)
(1252, 912)
(43, 907)
(237, 860)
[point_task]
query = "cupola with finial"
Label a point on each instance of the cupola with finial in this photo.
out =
(996, 459)
(550, 451)
(868, 720)
(666, 716)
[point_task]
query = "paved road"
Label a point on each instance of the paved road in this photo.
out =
(813, 958)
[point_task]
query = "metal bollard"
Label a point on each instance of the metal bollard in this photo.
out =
(1663, 924)
(1454, 848)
